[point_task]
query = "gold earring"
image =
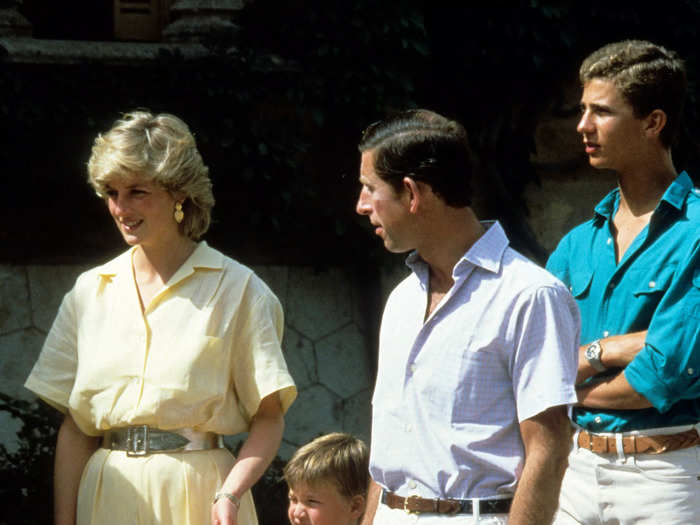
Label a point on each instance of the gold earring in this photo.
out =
(179, 214)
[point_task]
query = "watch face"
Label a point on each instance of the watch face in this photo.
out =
(592, 354)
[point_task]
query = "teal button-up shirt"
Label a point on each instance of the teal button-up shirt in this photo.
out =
(656, 286)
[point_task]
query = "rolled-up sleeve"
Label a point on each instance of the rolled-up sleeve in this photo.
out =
(667, 369)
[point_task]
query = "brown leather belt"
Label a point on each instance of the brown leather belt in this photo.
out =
(639, 444)
(416, 505)
(142, 440)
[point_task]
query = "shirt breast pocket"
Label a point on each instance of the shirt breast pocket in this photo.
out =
(651, 286)
(469, 385)
(692, 307)
(581, 283)
(484, 392)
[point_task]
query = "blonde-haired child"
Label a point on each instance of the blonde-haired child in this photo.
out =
(328, 480)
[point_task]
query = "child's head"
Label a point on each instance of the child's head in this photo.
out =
(328, 480)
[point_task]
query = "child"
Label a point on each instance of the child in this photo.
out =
(328, 480)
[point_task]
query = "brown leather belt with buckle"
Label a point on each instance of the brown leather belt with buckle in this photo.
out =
(639, 444)
(417, 505)
(142, 440)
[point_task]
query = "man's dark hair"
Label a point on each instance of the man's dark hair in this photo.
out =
(648, 76)
(426, 147)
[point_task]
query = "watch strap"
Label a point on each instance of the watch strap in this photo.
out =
(593, 353)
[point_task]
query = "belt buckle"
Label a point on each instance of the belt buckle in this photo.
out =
(137, 441)
(406, 503)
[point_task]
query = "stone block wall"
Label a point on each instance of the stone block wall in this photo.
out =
(326, 344)
(331, 326)
(568, 187)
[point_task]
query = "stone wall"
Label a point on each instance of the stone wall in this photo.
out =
(327, 343)
(568, 187)
(331, 316)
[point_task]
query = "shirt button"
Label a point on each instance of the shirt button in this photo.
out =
(411, 484)
(611, 286)
(598, 419)
(690, 371)
(606, 333)
(412, 368)
(652, 284)
(609, 241)
(408, 427)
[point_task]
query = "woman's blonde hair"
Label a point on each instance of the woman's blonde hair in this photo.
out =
(160, 149)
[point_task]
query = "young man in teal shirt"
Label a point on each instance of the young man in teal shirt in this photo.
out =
(634, 269)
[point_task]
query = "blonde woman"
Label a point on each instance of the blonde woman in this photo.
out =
(156, 354)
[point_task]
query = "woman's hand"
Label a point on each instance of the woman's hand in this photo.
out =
(224, 512)
(258, 450)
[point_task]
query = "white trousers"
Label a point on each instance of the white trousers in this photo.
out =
(389, 516)
(640, 489)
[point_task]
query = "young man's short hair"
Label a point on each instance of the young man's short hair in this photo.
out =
(336, 458)
(648, 76)
(425, 146)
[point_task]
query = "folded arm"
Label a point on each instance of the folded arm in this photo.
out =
(617, 351)
(615, 393)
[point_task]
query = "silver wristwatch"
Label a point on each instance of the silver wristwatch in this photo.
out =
(593, 355)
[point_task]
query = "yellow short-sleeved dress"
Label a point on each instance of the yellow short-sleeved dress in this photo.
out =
(202, 355)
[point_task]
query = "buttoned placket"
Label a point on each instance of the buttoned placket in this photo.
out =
(143, 340)
(434, 317)
(641, 240)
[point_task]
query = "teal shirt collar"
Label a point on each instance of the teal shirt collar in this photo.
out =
(674, 195)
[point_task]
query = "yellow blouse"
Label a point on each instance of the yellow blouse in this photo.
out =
(202, 355)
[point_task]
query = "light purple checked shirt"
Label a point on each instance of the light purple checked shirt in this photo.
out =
(501, 347)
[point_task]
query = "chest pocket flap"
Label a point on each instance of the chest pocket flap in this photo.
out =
(580, 282)
(656, 281)
(692, 307)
